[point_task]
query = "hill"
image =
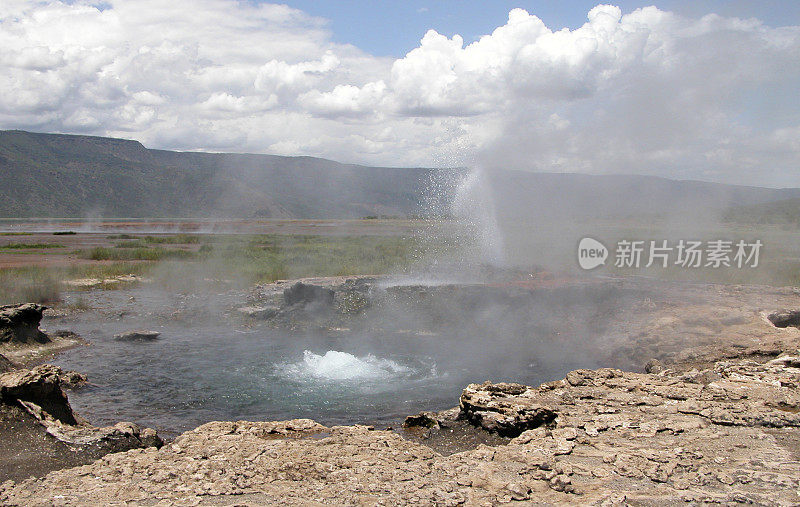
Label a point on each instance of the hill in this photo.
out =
(53, 175)
(56, 175)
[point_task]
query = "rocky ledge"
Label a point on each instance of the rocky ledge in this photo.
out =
(40, 432)
(20, 324)
(21, 340)
(728, 433)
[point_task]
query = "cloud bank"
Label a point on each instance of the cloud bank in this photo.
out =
(646, 92)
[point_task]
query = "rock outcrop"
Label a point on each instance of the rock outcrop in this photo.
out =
(785, 318)
(306, 294)
(20, 324)
(39, 391)
(38, 423)
(258, 312)
(137, 336)
(507, 409)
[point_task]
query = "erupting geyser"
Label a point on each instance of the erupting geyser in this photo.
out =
(473, 203)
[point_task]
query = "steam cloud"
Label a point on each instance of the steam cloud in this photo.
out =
(646, 92)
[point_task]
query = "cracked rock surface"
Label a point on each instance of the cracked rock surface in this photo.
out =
(730, 433)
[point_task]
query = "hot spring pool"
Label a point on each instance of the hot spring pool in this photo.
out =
(208, 367)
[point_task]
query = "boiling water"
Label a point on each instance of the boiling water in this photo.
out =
(210, 366)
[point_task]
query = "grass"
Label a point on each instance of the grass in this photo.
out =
(177, 239)
(247, 259)
(16, 233)
(272, 257)
(23, 246)
(134, 254)
(121, 236)
(44, 285)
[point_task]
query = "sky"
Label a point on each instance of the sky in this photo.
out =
(684, 89)
(391, 28)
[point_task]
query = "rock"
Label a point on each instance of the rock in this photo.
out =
(790, 361)
(654, 366)
(73, 380)
(45, 406)
(20, 324)
(63, 334)
(40, 386)
(305, 294)
(503, 408)
(785, 318)
(6, 365)
(258, 312)
(131, 336)
(421, 420)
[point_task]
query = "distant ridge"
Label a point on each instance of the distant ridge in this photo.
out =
(76, 176)
(58, 175)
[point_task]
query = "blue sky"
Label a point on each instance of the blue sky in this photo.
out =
(385, 28)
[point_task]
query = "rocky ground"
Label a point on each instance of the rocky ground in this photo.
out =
(713, 418)
(39, 431)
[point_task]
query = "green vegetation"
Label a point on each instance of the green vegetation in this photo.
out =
(145, 242)
(134, 254)
(16, 233)
(265, 258)
(64, 233)
(24, 246)
(178, 239)
(245, 259)
(44, 285)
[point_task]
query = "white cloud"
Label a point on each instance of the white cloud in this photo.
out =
(644, 92)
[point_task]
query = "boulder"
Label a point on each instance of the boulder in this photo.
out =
(305, 294)
(20, 324)
(785, 318)
(40, 386)
(73, 380)
(137, 336)
(421, 420)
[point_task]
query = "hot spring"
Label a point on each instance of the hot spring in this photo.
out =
(415, 350)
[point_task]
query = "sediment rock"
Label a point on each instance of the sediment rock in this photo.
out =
(137, 336)
(73, 380)
(422, 420)
(507, 409)
(305, 294)
(785, 318)
(40, 386)
(20, 324)
(35, 410)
